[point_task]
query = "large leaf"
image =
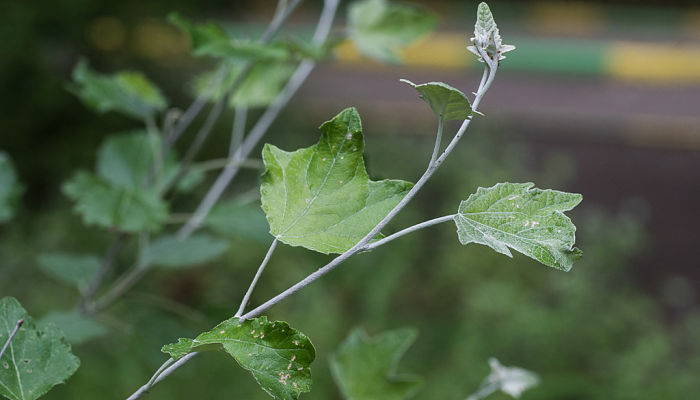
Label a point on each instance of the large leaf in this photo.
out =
(36, 359)
(235, 218)
(102, 203)
(446, 102)
(128, 92)
(259, 88)
(320, 197)
(10, 188)
(530, 221)
(170, 252)
(380, 29)
(365, 368)
(76, 327)
(278, 356)
(75, 270)
(210, 40)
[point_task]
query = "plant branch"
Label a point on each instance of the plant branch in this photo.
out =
(12, 336)
(240, 116)
(263, 124)
(435, 221)
(483, 88)
(105, 267)
(126, 282)
(438, 138)
(246, 298)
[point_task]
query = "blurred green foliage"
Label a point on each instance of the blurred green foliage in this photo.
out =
(590, 333)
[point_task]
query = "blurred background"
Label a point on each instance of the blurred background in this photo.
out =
(600, 98)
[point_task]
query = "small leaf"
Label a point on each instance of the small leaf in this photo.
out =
(36, 359)
(210, 40)
(530, 221)
(487, 38)
(76, 327)
(365, 368)
(380, 29)
(278, 356)
(128, 92)
(170, 252)
(102, 203)
(239, 219)
(10, 188)
(320, 197)
(75, 270)
(512, 381)
(446, 102)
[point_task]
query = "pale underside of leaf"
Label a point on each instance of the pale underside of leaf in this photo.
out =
(321, 197)
(530, 221)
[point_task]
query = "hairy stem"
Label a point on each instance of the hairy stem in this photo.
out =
(12, 336)
(435, 221)
(247, 295)
(438, 139)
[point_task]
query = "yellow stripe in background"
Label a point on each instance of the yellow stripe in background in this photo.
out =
(656, 63)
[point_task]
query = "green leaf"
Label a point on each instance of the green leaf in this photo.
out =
(126, 160)
(75, 270)
(210, 40)
(530, 221)
(365, 368)
(170, 252)
(101, 203)
(512, 381)
(36, 359)
(262, 85)
(239, 219)
(278, 356)
(76, 327)
(10, 188)
(380, 29)
(446, 102)
(320, 197)
(128, 92)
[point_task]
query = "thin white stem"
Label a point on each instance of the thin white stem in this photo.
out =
(164, 374)
(240, 117)
(263, 124)
(12, 336)
(258, 274)
(435, 221)
(438, 139)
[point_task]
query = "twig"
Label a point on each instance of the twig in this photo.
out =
(240, 117)
(107, 264)
(263, 124)
(374, 245)
(122, 286)
(12, 336)
(246, 298)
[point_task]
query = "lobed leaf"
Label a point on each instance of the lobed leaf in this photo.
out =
(321, 197)
(278, 356)
(530, 221)
(380, 29)
(446, 102)
(36, 359)
(10, 188)
(210, 40)
(127, 92)
(75, 270)
(365, 368)
(102, 203)
(171, 252)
